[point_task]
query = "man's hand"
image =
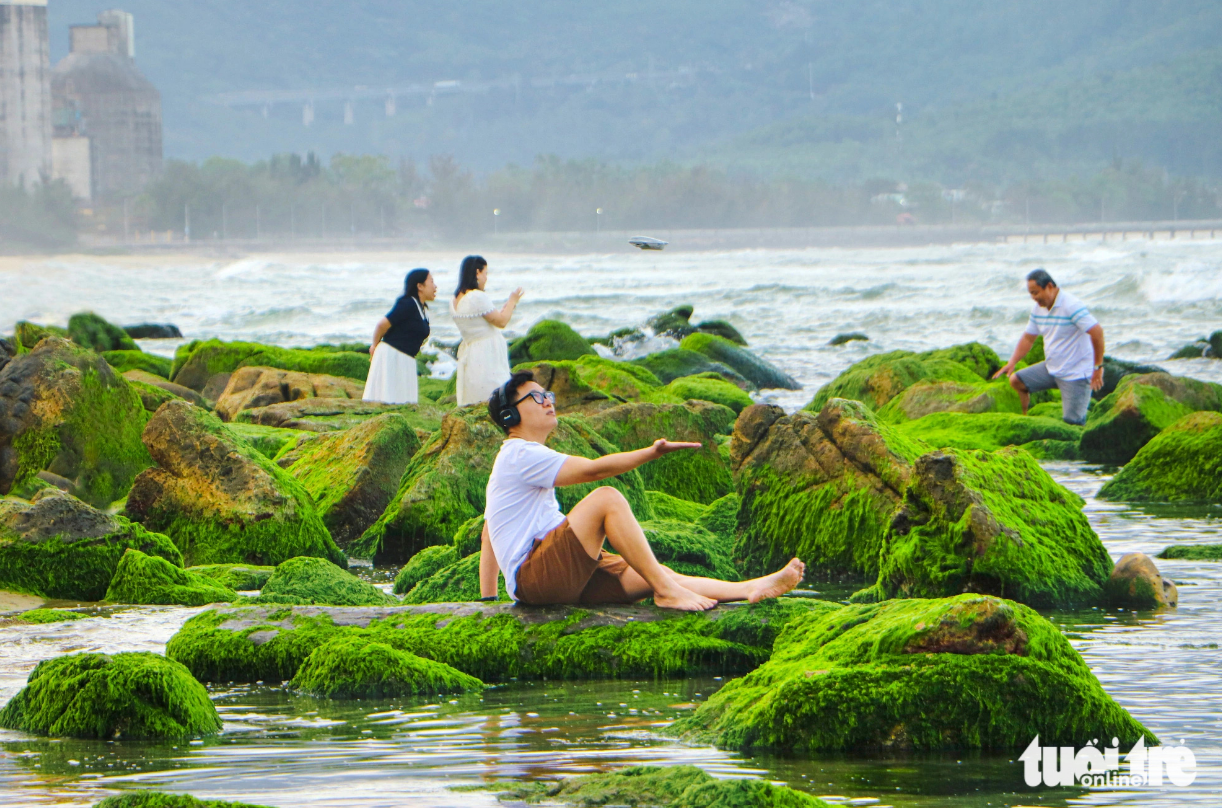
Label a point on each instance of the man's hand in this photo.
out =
(1096, 379)
(662, 446)
(1005, 370)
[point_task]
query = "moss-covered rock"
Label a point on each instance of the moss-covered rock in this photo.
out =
(352, 475)
(877, 379)
(721, 517)
(676, 363)
(197, 362)
(91, 331)
(457, 582)
(1114, 370)
(145, 579)
(253, 387)
(925, 397)
(220, 499)
(270, 441)
(238, 577)
(1135, 583)
(847, 337)
(1192, 350)
(751, 367)
(1193, 552)
(1141, 407)
(469, 536)
(698, 475)
(128, 696)
(334, 414)
(63, 409)
(1047, 449)
(723, 329)
(27, 335)
(1182, 463)
(44, 616)
(443, 486)
(705, 387)
(549, 340)
(351, 667)
(674, 323)
(958, 673)
(126, 360)
(980, 359)
(492, 641)
(690, 549)
(316, 581)
(591, 383)
(159, 799)
(993, 430)
(60, 547)
(155, 391)
(425, 564)
(664, 506)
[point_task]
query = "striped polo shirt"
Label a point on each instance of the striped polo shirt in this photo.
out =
(1067, 349)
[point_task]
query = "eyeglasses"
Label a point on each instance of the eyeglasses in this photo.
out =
(547, 397)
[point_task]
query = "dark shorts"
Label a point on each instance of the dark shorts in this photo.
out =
(1075, 393)
(559, 571)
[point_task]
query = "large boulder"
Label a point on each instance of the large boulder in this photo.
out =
(27, 335)
(704, 387)
(457, 582)
(676, 363)
(992, 430)
(333, 414)
(91, 331)
(60, 547)
(877, 379)
(926, 397)
(165, 390)
(196, 363)
(494, 642)
(698, 475)
(253, 387)
(126, 360)
(1182, 463)
(424, 565)
(130, 696)
(153, 331)
(968, 672)
(316, 581)
(591, 383)
(549, 340)
(219, 499)
(443, 486)
(235, 576)
(751, 367)
(352, 475)
(1116, 369)
(1140, 407)
(63, 409)
(1135, 583)
(145, 579)
(355, 668)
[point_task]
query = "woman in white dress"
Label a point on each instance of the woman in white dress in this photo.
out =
(396, 341)
(483, 356)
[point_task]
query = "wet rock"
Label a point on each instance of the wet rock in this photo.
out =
(44, 616)
(220, 499)
(493, 641)
(751, 367)
(144, 579)
(26, 335)
(332, 414)
(723, 329)
(425, 564)
(698, 475)
(549, 340)
(153, 331)
(352, 475)
(591, 384)
(126, 696)
(1135, 583)
(316, 581)
(1192, 350)
(271, 442)
(198, 362)
(877, 379)
(151, 364)
(676, 363)
(1116, 369)
(864, 678)
(852, 336)
(926, 397)
(355, 668)
(7, 352)
(63, 409)
(992, 430)
(674, 323)
(167, 390)
(443, 486)
(60, 547)
(1140, 407)
(1182, 463)
(157, 799)
(238, 577)
(457, 582)
(253, 387)
(91, 331)
(1194, 552)
(709, 387)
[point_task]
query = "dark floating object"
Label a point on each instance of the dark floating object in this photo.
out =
(647, 243)
(841, 339)
(153, 331)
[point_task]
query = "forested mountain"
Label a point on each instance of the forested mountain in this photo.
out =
(999, 90)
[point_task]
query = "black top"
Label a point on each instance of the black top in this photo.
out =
(409, 326)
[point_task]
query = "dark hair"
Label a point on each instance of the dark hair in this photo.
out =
(507, 393)
(411, 284)
(466, 273)
(1041, 278)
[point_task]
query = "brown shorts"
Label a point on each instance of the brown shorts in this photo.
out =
(559, 571)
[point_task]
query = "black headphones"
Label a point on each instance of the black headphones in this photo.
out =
(505, 415)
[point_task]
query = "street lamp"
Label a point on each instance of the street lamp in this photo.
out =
(496, 217)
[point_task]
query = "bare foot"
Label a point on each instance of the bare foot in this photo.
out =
(778, 583)
(684, 600)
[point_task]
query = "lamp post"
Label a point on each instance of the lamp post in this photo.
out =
(496, 217)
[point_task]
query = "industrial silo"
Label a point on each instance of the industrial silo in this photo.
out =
(25, 93)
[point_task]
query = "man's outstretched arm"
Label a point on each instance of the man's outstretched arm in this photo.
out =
(488, 570)
(1024, 345)
(577, 470)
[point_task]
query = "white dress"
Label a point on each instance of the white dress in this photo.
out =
(392, 377)
(483, 356)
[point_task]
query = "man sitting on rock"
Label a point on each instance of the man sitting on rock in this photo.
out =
(549, 558)
(1073, 349)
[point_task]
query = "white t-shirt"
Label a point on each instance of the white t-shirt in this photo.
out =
(521, 503)
(1068, 353)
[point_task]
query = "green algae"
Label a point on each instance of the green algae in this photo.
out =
(151, 396)
(955, 673)
(664, 506)
(993, 430)
(980, 359)
(269, 441)
(308, 580)
(91, 331)
(877, 379)
(931, 396)
(721, 517)
(42, 616)
(158, 799)
(1193, 552)
(27, 335)
(691, 550)
(1140, 407)
(457, 582)
(425, 564)
(351, 667)
(1048, 449)
(469, 537)
(144, 579)
(238, 577)
(1182, 463)
(676, 363)
(751, 367)
(128, 695)
(197, 362)
(125, 360)
(494, 642)
(704, 387)
(549, 340)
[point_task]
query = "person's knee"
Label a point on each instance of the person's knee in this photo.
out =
(1017, 383)
(608, 497)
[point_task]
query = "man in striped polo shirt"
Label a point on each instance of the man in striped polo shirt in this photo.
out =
(1073, 349)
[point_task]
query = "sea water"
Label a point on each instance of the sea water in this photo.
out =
(285, 750)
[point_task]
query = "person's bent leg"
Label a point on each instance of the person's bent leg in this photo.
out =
(1024, 396)
(605, 514)
(754, 590)
(1034, 379)
(1075, 400)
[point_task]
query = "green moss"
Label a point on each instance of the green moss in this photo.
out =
(1182, 463)
(1140, 407)
(307, 580)
(1192, 552)
(698, 475)
(751, 367)
(980, 359)
(495, 642)
(877, 379)
(444, 483)
(144, 579)
(91, 331)
(690, 549)
(40, 616)
(27, 335)
(424, 564)
(126, 360)
(238, 577)
(720, 517)
(196, 362)
(664, 506)
(457, 582)
(676, 363)
(469, 537)
(723, 329)
(1053, 449)
(157, 799)
(1048, 409)
(926, 397)
(151, 396)
(549, 340)
(992, 430)
(95, 696)
(674, 323)
(354, 668)
(705, 387)
(269, 441)
(867, 677)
